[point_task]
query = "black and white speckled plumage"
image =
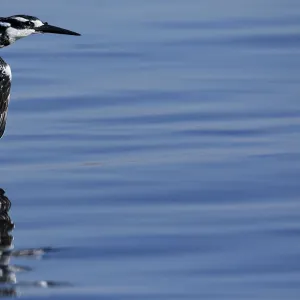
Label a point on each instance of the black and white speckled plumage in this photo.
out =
(5, 84)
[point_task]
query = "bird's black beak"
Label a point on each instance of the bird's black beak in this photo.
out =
(46, 28)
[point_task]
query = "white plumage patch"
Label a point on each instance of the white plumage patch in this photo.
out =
(16, 34)
(7, 71)
(20, 19)
(38, 23)
(5, 24)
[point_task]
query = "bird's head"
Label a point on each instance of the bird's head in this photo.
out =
(19, 26)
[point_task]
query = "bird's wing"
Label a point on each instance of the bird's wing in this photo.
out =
(5, 84)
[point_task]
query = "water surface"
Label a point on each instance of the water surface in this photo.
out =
(158, 154)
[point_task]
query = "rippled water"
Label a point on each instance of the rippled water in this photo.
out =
(157, 156)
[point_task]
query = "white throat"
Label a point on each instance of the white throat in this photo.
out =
(16, 34)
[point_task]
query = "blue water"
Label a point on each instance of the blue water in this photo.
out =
(159, 153)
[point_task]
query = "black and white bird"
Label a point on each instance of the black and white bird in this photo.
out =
(12, 29)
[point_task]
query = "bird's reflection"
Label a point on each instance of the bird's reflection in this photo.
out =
(9, 285)
(7, 275)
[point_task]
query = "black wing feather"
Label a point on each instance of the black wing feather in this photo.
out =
(5, 85)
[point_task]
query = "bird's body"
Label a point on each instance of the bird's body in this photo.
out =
(5, 84)
(12, 29)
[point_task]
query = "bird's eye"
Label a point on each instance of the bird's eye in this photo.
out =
(30, 24)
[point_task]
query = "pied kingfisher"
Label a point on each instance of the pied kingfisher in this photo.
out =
(12, 29)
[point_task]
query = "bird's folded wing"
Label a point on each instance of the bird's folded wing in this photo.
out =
(5, 84)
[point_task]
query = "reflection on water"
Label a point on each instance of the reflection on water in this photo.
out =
(7, 271)
(9, 285)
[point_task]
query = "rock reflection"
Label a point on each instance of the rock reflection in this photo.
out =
(9, 285)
